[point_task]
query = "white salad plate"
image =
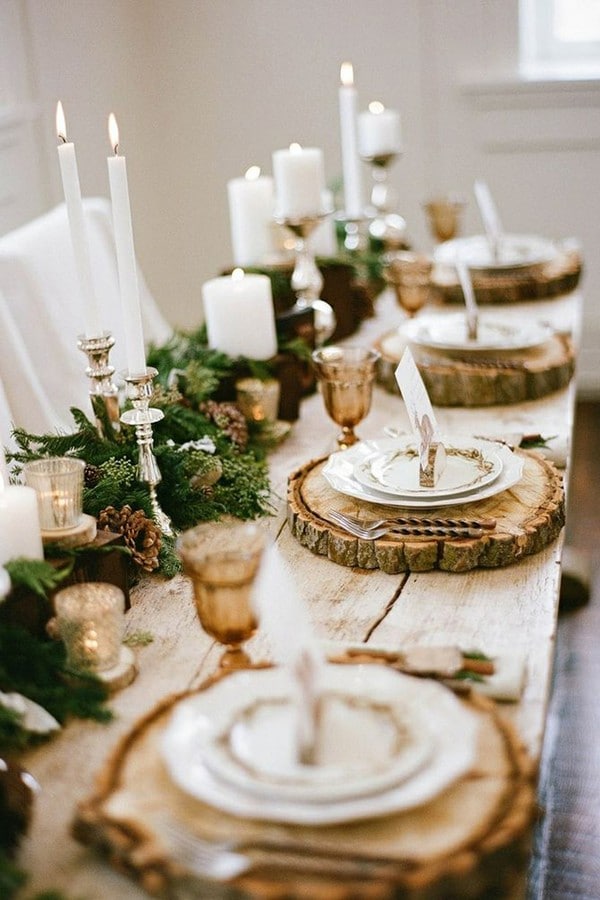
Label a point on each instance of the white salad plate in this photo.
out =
(340, 468)
(470, 464)
(515, 251)
(437, 732)
(450, 332)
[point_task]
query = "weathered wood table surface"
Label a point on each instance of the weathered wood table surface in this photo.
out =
(506, 609)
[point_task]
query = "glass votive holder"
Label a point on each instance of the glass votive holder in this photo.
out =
(258, 399)
(90, 619)
(58, 483)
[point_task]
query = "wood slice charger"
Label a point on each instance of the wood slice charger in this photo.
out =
(553, 279)
(482, 380)
(471, 841)
(529, 516)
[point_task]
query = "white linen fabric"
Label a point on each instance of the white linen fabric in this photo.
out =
(42, 372)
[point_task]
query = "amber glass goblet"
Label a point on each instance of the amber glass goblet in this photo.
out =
(222, 559)
(409, 274)
(346, 377)
(444, 216)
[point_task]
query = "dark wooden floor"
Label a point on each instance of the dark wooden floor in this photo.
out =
(566, 863)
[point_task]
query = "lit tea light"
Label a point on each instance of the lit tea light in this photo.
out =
(90, 621)
(58, 484)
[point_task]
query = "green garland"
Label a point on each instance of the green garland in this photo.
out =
(201, 429)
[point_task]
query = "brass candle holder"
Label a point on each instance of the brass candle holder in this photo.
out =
(104, 394)
(307, 281)
(143, 417)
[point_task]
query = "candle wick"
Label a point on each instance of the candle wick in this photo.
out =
(116, 148)
(62, 138)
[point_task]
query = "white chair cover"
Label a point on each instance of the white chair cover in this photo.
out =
(42, 373)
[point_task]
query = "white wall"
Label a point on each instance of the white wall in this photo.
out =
(204, 88)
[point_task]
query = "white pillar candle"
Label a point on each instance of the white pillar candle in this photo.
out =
(299, 175)
(240, 320)
(20, 533)
(251, 203)
(350, 159)
(72, 191)
(128, 283)
(379, 131)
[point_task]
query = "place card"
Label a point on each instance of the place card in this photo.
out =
(432, 453)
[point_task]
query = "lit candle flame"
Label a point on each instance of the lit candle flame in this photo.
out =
(347, 74)
(376, 107)
(253, 173)
(61, 125)
(237, 274)
(113, 133)
(295, 148)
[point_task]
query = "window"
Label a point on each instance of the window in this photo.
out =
(560, 38)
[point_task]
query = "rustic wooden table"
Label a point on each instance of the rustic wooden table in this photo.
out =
(496, 610)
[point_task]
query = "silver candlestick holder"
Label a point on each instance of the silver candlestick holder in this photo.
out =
(355, 238)
(104, 394)
(143, 417)
(385, 225)
(307, 281)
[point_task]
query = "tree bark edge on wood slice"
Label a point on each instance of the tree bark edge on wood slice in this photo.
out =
(529, 516)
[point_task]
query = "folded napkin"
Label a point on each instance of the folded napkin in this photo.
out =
(501, 676)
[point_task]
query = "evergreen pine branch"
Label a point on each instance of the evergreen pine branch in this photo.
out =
(36, 575)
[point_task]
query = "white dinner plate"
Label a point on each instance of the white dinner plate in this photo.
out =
(470, 464)
(449, 332)
(432, 708)
(339, 473)
(515, 251)
(365, 745)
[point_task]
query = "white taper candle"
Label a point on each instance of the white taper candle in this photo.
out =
(126, 264)
(72, 191)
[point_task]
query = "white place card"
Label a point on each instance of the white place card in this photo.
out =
(432, 454)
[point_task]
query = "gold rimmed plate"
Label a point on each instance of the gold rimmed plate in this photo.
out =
(423, 712)
(470, 465)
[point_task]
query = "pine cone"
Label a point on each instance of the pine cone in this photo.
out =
(143, 537)
(229, 418)
(91, 475)
(112, 519)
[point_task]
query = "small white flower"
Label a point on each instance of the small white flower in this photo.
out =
(206, 444)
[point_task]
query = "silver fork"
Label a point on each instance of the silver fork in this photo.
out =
(225, 860)
(372, 532)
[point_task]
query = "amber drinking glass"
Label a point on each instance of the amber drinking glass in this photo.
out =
(444, 216)
(409, 274)
(346, 377)
(222, 559)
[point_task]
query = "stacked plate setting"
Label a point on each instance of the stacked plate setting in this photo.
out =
(386, 471)
(387, 742)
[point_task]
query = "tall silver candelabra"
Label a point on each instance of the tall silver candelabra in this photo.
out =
(307, 281)
(385, 225)
(104, 394)
(143, 417)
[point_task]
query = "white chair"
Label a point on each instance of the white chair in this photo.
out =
(42, 372)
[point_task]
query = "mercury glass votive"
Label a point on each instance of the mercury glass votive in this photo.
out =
(91, 619)
(257, 399)
(58, 483)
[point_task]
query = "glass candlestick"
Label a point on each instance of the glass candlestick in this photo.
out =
(307, 281)
(143, 417)
(385, 225)
(104, 394)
